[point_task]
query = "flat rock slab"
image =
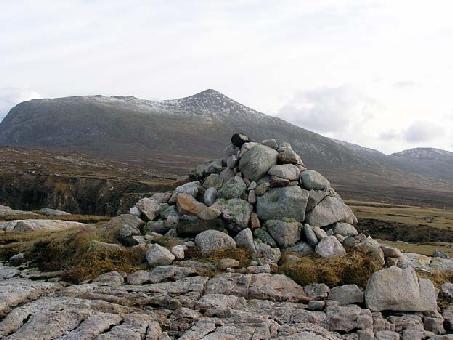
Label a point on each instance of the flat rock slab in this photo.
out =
(273, 287)
(75, 318)
(16, 291)
(31, 225)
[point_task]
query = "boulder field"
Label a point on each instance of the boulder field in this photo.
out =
(259, 199)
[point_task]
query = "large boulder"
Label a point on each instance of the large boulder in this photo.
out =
(280, 203)
(235, 211)
(286, 154)
(396, 289)
(245, 239)
(233, 188)
(130, 227)
(284, 233)
(157, 255)
(286, 171)
(31, 225)
(190, 188)
(257, 161)
(330, 210)
(313, 180)
(210, 196)
(310, 235)
(347, 294)
(149, 208)
(344, 229)
(189, 205)
(330, 246)
(212, 240)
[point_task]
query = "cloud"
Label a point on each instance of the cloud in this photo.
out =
(389, 135)
(423, 131)
(9, 97)
(405, 84)
(329, 109)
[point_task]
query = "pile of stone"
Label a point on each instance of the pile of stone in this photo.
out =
(262, 195)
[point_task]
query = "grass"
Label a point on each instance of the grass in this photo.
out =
(404, 214)
(421, 248)
(79, 252)
(239, 254)
(353, 268)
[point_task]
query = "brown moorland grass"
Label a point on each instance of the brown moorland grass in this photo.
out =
(408, 215)
(81, 253)
(353, 268)
(243, 256)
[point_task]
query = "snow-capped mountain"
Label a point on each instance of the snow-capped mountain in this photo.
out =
(173, 135)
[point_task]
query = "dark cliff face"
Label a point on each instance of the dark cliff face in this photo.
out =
(90, 196)
(34, 179)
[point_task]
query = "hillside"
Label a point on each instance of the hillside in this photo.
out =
(31, 179)
(174, 135)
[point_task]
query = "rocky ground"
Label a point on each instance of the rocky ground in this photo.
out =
(255, 247)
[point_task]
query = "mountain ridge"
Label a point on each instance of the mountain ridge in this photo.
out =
(174, 135)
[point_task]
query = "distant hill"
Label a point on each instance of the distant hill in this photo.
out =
(174, 135)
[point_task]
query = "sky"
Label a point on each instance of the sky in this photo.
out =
(374, 73)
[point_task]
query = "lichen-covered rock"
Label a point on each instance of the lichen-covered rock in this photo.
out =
(265, 237)
(330, 246)
(233, 188)
(344, 229)
(213, 181)
(313, 180)
(212, 240)
(346, 294)
(210, 196)
(310, 235)
(280, 203)
(301, 249)
(31, 225)
(149, 208)
(190, 188)
(284, 233)
(397, 289)
(286, 154)
(286, 171)
(245, 239)
(156, 255)
(257, 161)
(235, 211)
(330, 210)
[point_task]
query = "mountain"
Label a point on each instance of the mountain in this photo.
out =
(430, 162)
(174, 135)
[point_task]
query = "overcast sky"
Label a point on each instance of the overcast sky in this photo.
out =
(375, 73)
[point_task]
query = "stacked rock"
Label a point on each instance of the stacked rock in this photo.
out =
(262, 194)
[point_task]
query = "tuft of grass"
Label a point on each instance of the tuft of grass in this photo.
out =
(239, 254)
(353, 268)
(82, 254)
